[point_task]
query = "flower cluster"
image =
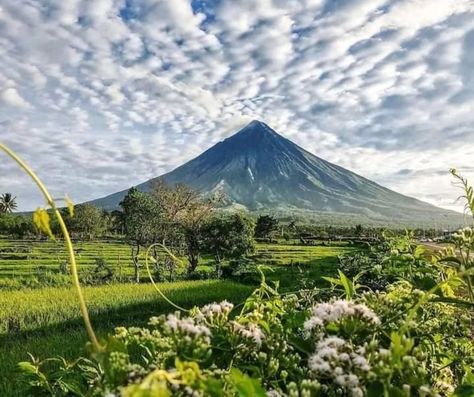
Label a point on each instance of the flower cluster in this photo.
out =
(336, 360)
(250, 332)
(329, 312)
(187, 326)
(215, 311)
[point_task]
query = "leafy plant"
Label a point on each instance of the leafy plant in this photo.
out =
(7, 203)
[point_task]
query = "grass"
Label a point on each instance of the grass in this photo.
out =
(292, 264)
(46, 322)
(22, 258)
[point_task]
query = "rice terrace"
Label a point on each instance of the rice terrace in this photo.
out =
(236, 198)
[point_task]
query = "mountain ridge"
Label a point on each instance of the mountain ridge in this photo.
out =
(260, 170)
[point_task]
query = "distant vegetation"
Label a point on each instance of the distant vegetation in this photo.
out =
(7, 203)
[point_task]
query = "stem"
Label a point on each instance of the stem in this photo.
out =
(67, 242)
(150, 276)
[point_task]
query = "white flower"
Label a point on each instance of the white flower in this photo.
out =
(273, 393)
(214, 309)
(384, 353)
(336, 359)
(325, 313)
(187, 326)
(250, 331)
(360, 362)
(357, 392)
(424, 391)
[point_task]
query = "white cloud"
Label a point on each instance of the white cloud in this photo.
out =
(11, 97)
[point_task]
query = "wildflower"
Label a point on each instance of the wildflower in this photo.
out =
(187, 326)
(215, 309)
(273, 393)
(325, 313)
(424, 391)
(384, 353)
(250, 331)
(121, 332)
(336, 359)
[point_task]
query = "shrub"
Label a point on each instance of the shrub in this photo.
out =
(293, 345)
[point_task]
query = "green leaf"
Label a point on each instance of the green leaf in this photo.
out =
(245, 385)
(332, 280)
(419, 251)
(27, 368)
(375, 390)
(450, 259)
(347, 284)
(464, 391)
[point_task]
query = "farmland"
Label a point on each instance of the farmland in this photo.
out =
(31, 259)
(46, 321)
(25, 258)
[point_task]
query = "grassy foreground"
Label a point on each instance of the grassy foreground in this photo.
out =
(46, 322)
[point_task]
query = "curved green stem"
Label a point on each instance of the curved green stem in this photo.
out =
(67, 242)
(150, 276)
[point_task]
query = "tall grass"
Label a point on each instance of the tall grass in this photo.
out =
(47, 322)
(26, 310)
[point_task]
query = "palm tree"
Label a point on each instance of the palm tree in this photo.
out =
(7, 203)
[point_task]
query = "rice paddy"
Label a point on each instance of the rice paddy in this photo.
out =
(46, 321)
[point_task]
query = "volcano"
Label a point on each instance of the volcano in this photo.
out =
(257, 169)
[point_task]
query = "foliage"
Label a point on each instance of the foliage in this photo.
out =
(142, 220)
(394, 258)
(468, 190)
(266, 226)
(175, 215)
(293, 345)
(16, 225)
(229, 236)
(7, 203)
(62, 377)
(88, 222)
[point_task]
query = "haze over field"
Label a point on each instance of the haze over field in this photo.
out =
(101, 95)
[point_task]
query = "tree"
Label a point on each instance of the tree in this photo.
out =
(141, 218)
(16, 225)
(192, 221)
(8, 203)
(229, 236)
(117, 222)
(88, 221)
(266, 226)
(185, 214)
(358, 230)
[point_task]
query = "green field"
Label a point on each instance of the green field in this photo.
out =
(20, 258)
(26, 258)
(46, 321)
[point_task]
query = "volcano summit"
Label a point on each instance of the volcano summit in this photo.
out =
(260, 170)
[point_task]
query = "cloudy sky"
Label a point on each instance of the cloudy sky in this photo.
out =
(100, 95)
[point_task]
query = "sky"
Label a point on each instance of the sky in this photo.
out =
(101, 95)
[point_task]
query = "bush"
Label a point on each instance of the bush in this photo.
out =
(393, 259)
(399, 342)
